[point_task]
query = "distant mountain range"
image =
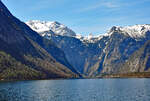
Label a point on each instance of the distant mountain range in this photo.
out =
(109, 53)
(50, 50)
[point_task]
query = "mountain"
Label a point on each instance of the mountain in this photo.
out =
(121, 45)
(48, 28)
(103, 54)
(24, 54)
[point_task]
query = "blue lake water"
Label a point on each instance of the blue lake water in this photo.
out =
(76, 90)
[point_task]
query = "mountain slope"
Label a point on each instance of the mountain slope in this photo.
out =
(49, 46)
(12, 69)
(137, 65)
(139, 61)
(29, 48)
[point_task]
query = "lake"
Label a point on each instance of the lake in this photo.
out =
(76, 90)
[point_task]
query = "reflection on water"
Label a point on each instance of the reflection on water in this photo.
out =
(76, 90)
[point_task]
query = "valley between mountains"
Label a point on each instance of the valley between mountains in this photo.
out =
(50, 50)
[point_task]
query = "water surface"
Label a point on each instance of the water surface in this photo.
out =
(76, 90)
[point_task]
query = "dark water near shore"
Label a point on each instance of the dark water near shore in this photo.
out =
(76, 90)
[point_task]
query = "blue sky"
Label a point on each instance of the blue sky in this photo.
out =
(83, 16)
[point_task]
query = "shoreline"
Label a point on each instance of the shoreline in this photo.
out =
(107, 77)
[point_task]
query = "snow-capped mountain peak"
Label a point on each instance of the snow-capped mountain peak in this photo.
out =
(46, 26)
(135, 31)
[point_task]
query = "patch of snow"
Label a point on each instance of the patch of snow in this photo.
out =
(136, 31)
(45, 26)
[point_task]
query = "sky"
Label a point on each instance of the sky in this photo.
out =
(83, 16)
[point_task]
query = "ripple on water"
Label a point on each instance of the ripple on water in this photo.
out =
(77, 90)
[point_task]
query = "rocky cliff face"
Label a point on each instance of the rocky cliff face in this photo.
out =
(119, 48)
(139, 61)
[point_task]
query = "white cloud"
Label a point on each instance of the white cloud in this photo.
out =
(108, 5)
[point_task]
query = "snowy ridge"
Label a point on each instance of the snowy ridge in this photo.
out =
(90, 38)
(135, 31)
(46, 26)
